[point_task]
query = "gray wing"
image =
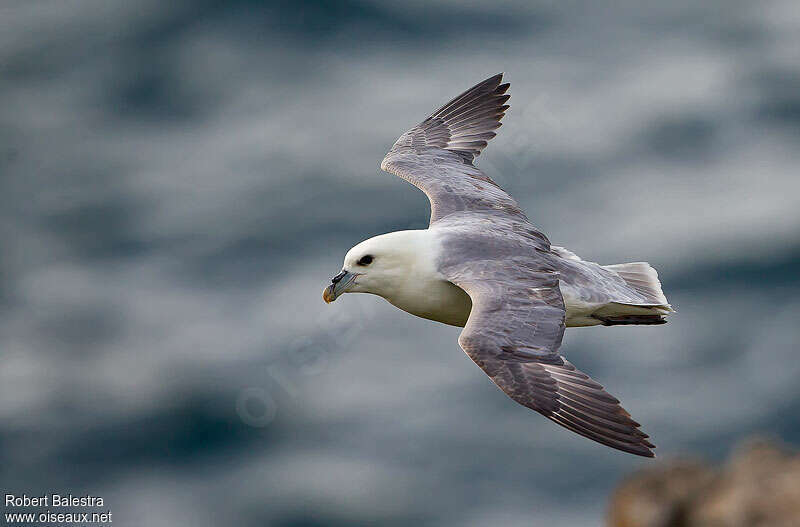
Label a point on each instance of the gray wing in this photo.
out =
(437, 154)
(514, 332)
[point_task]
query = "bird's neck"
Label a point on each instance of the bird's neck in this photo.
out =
(419, 288)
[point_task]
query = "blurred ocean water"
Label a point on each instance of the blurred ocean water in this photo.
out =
(179, 181)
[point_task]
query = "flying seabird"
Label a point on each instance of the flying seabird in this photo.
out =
(483, 266)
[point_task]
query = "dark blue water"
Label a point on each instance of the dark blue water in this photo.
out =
(179, 181)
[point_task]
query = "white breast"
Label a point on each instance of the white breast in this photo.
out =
(435, 299)
(418, 287)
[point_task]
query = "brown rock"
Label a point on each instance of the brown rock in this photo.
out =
(758, 487)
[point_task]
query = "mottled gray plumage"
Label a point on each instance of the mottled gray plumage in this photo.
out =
(511, 273)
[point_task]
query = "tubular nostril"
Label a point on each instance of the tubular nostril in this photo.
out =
(338, 277)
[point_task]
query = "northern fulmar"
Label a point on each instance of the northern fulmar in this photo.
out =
(483, 266)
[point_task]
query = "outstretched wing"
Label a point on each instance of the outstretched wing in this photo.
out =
(437, 154)
(514, 332)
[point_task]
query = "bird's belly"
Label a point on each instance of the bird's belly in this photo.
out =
(438, 300)
(447, 303)
(578, 311)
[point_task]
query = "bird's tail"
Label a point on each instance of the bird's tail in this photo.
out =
(643, 279)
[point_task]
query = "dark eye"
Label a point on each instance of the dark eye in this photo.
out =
(365, 260)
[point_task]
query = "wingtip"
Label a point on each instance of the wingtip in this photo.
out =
(646, 449)
(642, 450)
(494, 79)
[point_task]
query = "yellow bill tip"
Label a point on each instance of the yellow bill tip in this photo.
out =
(327, 294)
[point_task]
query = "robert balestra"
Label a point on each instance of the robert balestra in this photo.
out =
(53, 500)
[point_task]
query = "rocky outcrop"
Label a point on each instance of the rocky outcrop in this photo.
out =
(759, 486)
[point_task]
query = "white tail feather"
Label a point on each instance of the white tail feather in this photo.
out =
(643, 278)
